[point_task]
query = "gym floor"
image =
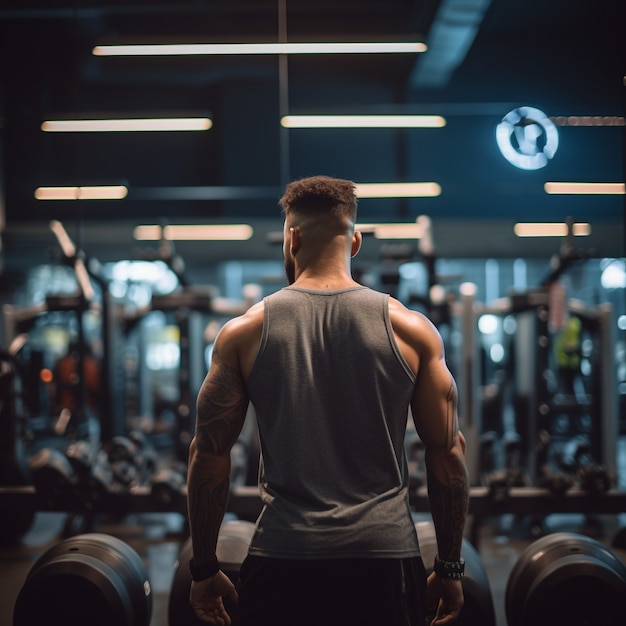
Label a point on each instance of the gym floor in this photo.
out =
(157, 539)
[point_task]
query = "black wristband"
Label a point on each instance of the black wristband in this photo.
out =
(202, 572)
(449, 569)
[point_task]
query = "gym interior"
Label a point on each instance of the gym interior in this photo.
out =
(142, 157)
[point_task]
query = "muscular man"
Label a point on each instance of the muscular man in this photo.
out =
(332, 369)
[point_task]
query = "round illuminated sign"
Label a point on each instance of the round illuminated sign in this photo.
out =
(527, 138)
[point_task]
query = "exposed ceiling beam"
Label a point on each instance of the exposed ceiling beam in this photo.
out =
(450, 37)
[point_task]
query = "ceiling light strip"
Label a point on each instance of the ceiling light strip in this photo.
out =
(194, 232)
(259, 49)
(398, 190)
(548, 229)
(363, 121)
(127, 125)
(585, 188)
(102, 192)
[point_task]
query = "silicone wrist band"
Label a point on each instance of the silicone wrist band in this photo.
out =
(204, 571)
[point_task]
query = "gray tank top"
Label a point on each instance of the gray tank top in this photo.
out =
(331, 392)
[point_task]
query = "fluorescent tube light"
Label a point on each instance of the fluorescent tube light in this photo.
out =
(363, 121)
(194, 232)
(398, 190)
(557, 229)
(127, 125)
(258, 48)
(585, 188)
(111, 192)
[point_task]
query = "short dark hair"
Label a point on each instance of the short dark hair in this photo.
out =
(317, 194)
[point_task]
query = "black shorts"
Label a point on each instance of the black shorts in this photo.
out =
(338, 592)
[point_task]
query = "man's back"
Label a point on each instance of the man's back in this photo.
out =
(331, 391)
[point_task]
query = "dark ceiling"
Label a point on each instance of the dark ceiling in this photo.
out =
(485, 58)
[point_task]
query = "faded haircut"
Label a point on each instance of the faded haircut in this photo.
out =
(319, 195)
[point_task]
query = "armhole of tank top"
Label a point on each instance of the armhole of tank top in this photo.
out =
(393, 342)
(262, 343)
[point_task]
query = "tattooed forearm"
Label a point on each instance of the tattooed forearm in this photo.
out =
(221, 407)
(207, 504)
(449, 503)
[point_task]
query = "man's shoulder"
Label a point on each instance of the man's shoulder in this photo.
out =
(239, 338)
(252, 317)
(413, 322)
(249, 322)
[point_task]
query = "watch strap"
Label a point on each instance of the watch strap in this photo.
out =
(449, 569)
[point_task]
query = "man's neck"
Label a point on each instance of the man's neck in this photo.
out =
(324, 281)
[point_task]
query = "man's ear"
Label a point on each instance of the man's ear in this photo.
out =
(357, 240)
(295, 240)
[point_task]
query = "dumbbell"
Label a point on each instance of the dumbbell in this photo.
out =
(488, 453)
(131, 460)
(148, 456)
(550, 477)
(53, 476)
(232, 547)
(94, 475)
(167, 488)
(512, 445)
(499, 481)
(592, 476)
(491, 476)
(478, 608)
(92, 578)
(566, 578)
(73, 481)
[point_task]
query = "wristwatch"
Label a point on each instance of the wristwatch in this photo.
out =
(204, 571)
(449, 569)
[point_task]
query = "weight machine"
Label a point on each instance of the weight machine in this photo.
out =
(551, 379)
(539, 404)
(74, 473)
(86, 300)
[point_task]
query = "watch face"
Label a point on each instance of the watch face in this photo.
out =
(527, 138)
